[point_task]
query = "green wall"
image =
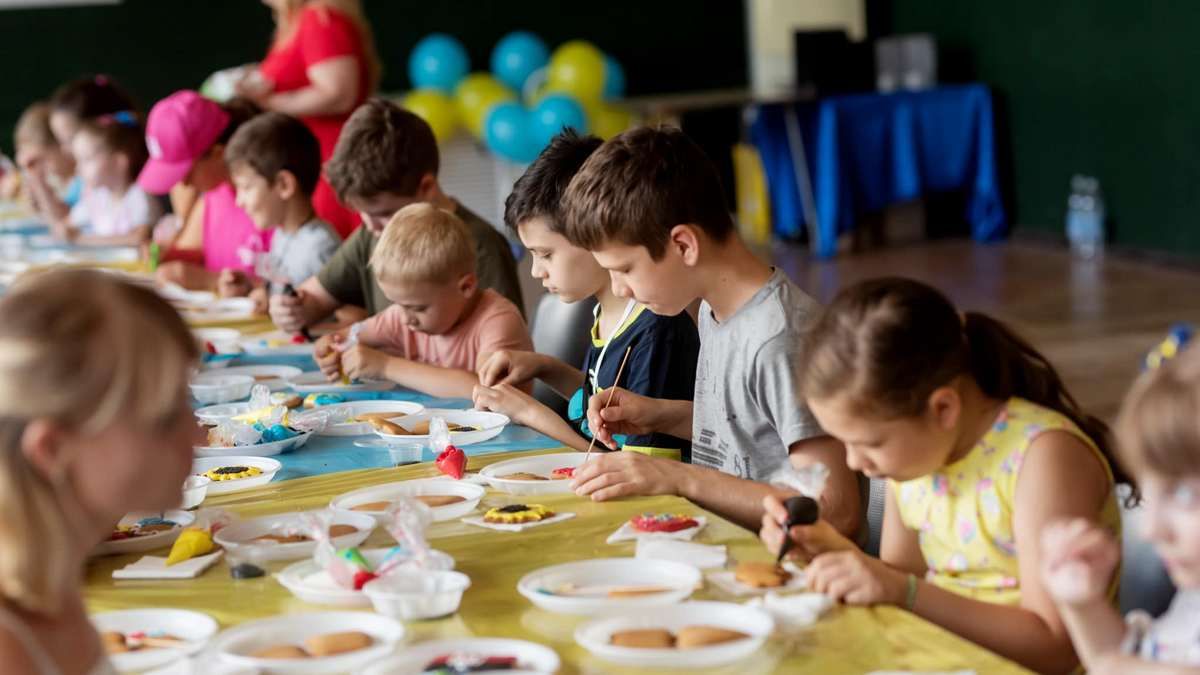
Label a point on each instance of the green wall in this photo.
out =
(154, 47)
(1105, 87)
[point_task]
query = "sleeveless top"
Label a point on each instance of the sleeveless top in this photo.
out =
(37, 653)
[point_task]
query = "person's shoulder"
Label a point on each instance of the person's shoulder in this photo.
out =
(492, 304)
(482, 230)
(320, 232)
(650, 323)
(320, 15)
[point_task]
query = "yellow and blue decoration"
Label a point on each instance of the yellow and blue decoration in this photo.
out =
(1177, 338)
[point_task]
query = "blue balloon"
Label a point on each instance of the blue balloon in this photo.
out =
(438, 61)
(555, 113)
(614, 78)
(506, 132)
(516, 56)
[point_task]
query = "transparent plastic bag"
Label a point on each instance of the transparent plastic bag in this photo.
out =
(808, 481)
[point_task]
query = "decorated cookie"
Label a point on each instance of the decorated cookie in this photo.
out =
(761, 574)
(232, 472)
(643, 638)
(518, 513)
(460, 664)
(690, 637)
(563, 473)
(662, 522)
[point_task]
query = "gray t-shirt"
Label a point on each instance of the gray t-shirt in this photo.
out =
(748, 409)
(298, 255)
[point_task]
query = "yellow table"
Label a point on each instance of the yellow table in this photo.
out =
(850, 640)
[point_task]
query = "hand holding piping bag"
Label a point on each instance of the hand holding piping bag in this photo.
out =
(343, 346)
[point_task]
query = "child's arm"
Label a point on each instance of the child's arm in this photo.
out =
(528, 411)
(134, 237)
(332, 90)
(361, 361)
(516, 367)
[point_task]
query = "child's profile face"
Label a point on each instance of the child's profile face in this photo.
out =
(661, 285)
(431, 307)
(1171, 521)
(901, 448)
(64, 126)
(208, 171)
(97, 165)
(567, 271)
(256, 196)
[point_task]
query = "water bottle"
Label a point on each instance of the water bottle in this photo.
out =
(1085, 217)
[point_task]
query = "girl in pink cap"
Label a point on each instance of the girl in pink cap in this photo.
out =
(185, 136)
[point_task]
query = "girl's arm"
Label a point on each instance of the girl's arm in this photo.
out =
(528, 411)
(332, 90)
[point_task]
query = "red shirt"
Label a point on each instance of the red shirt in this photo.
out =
(321, 34)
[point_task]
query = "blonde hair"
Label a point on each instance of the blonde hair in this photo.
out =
(83, 350)
(33, 127)
(285, 26)
(423, 243)
(1158, 428)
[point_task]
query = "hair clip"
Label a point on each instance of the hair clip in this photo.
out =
(1177, 338)
(125, 118)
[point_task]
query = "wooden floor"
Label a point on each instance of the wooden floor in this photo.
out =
(1095, 321)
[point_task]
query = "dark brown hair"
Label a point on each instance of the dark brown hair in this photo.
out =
(274, 142)
(240, 111)
(1159, 425)
(383, 148)
(90, 97)
(889, 343)
(639, 185)
(120, 133)
(538, 193)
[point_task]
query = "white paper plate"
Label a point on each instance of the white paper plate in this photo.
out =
(275, 377)
(224, 340)
(275, 343)
(194, 627)
(411, 488)
(310, 583)
(242, 533)
(541, 465)
(223, 309)
(150, 541)
(489, 425)
(268, 466)
(603, 573)
(595, 636)
(351, 428)
(531, 657)
(256, 450)
(315, 382)
(727, 581)
(236, 644)
(215, 414)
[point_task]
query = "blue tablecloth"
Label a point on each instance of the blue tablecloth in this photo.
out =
(330, 454)
(867, 151)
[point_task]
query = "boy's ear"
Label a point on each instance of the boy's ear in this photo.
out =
(427, 187)
(945, 407)
(467, 284)
(285, 184)
(41, 443)
(685, 241)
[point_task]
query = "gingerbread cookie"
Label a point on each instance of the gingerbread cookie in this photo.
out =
(761, 574)
(691, 637)
(643, 638)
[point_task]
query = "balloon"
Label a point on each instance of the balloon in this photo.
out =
(506, 131)
(577, 68)
(608, 120)
(475, 96)
(438, 61)
(614, 78)
(436, 108)
(516, 56)
(553, 114)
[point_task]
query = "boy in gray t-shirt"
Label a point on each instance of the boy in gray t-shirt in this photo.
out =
(650, 207)
(296, 255)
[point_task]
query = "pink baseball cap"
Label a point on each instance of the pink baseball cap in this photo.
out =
(179, 130)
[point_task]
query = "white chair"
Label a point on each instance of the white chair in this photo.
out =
(560, 330)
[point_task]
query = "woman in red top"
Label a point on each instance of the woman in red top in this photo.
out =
(321, 66)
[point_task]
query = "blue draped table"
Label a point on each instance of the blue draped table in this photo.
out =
(866, 151)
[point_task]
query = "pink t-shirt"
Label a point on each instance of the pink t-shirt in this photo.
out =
(495, 324)
(230, 238)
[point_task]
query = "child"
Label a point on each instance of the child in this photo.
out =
(662, 358)
(650, 207)
(186, 135)
(1159, 434)
(47, 169)
(430, 339)
(981, 443)
(95, 422)
(386, 158)
(109, 152)
(275, 161)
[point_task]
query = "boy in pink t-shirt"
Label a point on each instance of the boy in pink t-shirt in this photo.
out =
(440, 321)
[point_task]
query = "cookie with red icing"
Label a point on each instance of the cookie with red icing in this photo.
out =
(662, 522)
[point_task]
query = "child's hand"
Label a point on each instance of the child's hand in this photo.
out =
(287, 311)
(625, 474)
(506, 400)
(165, 229)
(233, 284)
(507, 367)
(326, 354)
(1078, 561)
(808, 541)
(628, 413)
(855, 578)
(261, 298)
(361, 363)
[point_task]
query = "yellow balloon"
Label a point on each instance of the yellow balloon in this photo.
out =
(577, 68)
(607, 121)
(474, 97)
(436, 109)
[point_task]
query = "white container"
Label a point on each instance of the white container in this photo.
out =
(541, 586)
(245, 532)
(310, 583)
(195, 489)
(256, 450)
(235, 645)
(149, 542)
(274, 377)
(224, 340)
(489, 425)
(596, 636)
(194, 627)
(218, 387)
(269, 467)
(470, 493)
(531, 657)
(215, 414)
(424, 594)
(541, 465)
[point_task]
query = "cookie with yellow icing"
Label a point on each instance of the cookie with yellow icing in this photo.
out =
(232, 472)
(518, 513)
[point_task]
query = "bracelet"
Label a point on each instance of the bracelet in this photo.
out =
(910, 598)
